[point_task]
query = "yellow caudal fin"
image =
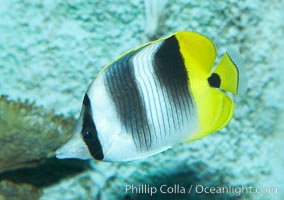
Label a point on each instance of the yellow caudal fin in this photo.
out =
(215, 110)
(229, 74)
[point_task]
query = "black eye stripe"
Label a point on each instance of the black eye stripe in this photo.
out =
(87, 135)
(89, 131)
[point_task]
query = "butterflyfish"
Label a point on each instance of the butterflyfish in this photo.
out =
(156, 96)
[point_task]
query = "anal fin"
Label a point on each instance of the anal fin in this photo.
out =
(215, 111)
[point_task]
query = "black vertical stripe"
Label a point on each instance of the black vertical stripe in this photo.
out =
(164, 109)
(164, 94)
(129, 103)
(171, 72)
(89, 131)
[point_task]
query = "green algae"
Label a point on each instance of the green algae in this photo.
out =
(29, 134)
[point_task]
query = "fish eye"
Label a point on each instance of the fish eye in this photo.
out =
(87, 135)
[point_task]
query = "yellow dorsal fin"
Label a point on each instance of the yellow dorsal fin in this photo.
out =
(196, 50)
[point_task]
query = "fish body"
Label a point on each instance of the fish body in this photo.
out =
(156, 96)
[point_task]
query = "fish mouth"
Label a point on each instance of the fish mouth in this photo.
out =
(74, 148)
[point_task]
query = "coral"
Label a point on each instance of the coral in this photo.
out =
(29, 134)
